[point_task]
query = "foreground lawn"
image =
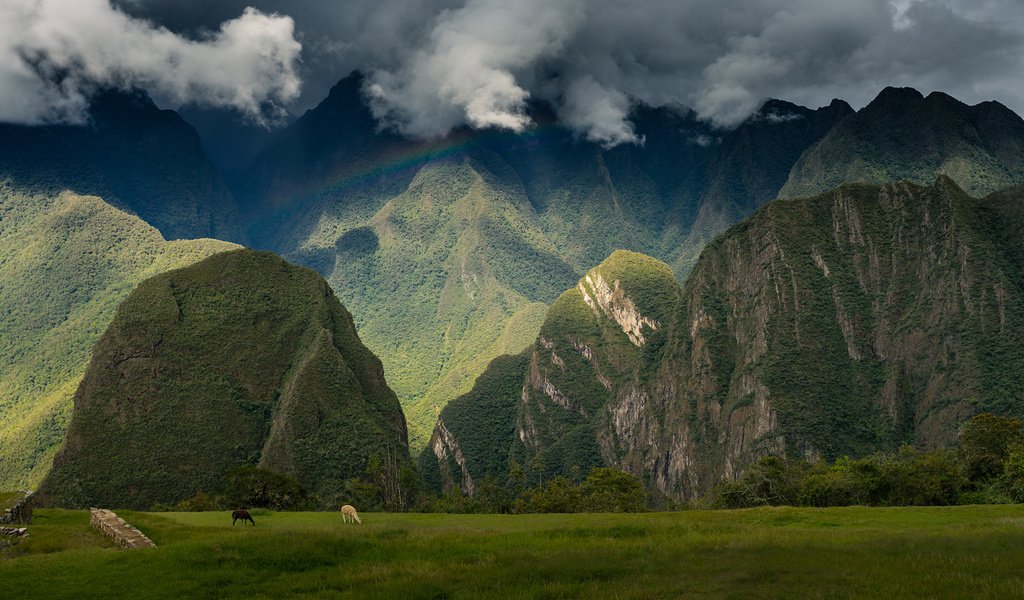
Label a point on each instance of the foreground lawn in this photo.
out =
(966, 552)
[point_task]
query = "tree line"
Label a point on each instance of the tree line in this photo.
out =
(985, 467)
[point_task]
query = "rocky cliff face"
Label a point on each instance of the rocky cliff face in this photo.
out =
(843, 324)
(241, 359)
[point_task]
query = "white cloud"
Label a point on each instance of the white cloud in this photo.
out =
(54, 53)
(466, 70)
(602, 114)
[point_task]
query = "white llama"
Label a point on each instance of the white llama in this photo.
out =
(349, 512)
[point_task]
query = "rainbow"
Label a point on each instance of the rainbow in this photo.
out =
(405, 159)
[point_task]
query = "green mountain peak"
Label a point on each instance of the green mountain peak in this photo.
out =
(253, 361)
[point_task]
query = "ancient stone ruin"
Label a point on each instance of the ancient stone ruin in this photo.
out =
(116, 529)
(14, 531)
(20, 513)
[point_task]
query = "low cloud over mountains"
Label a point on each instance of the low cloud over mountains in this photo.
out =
(436, 64)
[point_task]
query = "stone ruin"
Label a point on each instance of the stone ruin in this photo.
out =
(114, 527)
(20, 513)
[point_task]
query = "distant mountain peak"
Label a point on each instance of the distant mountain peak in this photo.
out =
(896, 96)
(903, 135)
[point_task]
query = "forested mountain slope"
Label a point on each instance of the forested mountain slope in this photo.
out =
(66, 261)
(903, 135)
(846, 323)
(445, 250)
(241, 359)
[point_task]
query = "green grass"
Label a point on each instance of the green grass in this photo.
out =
(968, 552)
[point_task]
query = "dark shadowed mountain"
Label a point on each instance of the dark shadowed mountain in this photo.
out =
(903, 135)
(137, 157)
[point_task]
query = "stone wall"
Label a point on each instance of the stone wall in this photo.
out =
(20, 513)
(116, 529)
(14, 531)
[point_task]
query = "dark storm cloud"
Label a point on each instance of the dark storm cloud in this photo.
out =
(433, 64)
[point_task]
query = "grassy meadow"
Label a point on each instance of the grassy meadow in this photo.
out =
(966, 552)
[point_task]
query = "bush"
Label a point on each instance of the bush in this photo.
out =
(907, 478)
(1011, 482)
(772, 480)
(199, 503)
(923, 478)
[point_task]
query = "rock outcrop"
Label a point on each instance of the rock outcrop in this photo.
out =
(20, 513)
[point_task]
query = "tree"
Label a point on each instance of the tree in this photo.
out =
(390, 478)
(538, 468)
(1011, 482)
(985, 441)
(772, 480)
(558, 496)
(607, 489)
(256, 487)
(923, 478)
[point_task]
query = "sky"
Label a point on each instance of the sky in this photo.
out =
(432, 65)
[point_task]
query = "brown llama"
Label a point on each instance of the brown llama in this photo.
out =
(242, 515)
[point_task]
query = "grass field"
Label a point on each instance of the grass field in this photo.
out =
(966, 552)
(9, 499)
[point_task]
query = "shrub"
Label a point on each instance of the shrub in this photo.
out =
(923, 478)
(199, 503)
(772, 480)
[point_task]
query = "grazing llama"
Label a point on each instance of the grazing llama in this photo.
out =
(243, 515)
(349, 512)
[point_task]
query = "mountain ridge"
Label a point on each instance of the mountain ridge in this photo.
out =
(139, 158)
(844, 324)
(574, 199)
(66, 262)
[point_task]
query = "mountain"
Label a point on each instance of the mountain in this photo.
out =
(750, 166)
(447, 275)
(842, 324)
(137, 157)
(474, 433)
(903, 135)
(66, 261)
(448, 250)
(241, 359)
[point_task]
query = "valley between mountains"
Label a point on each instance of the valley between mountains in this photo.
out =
(811, 283)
